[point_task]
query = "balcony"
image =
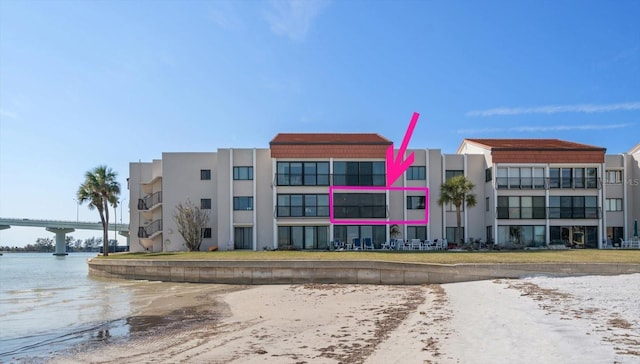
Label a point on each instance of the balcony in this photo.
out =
(521, 213)
(574, 212)
(542, 183)
(150, 201)
(290, 179)
(150, 230)
(361, 211)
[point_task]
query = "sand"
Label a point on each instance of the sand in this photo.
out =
(593, 319)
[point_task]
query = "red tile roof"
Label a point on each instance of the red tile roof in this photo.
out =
(525, 144)
(539, 151)
(320, 145)
(329, 138)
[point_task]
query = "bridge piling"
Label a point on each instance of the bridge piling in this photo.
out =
(61, 234)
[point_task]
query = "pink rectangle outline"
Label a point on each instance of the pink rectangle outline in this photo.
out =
(378, 222)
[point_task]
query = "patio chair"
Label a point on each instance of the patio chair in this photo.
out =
(400, 244)
(337, 244)
(368, 245)
(429, 245)
(392, 244)
(415, 244)
(357, 245)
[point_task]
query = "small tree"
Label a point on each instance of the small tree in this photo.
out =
(394, 231)
(191, 223)
(457, 191)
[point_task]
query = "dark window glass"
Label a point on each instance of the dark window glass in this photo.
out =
(416, 173)
(206, 233)
(415, 202)
(242, 173)
(360, 205)
(452, 173)
(243, 203)
(205, 203)
(205, 174)
(243, 238)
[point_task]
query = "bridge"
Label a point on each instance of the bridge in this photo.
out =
(61, 228)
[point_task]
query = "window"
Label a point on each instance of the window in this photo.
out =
(489, 234)
(486, 204)
(573, 177)
(416, 173)
(359, 173)
(417, 232)
(302, 174)
(487, 175)
(303, 205)
(520, 178)
(573, 207)
(360, 205)
(525, 235)
(206, 233)
(613, 204)
(521, 207)
(243, 203)
(452, 173)
(452, 234)
(205, 174)
(242, 173)
(347, 233)
(303, 237)
(205, 204)
(415, 202)
(615, 233)
(613, 177)
(243, 238)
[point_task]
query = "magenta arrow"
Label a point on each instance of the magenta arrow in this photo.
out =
(397, 166)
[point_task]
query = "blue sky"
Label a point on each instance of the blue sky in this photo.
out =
(84, 83)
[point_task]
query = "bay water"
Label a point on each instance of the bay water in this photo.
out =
(49, 305)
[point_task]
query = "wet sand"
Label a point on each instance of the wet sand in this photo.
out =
(568, 320)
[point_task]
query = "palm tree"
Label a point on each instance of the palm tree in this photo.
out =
(101, 189)
(457, 191)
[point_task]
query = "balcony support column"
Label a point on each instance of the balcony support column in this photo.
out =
(60, 239)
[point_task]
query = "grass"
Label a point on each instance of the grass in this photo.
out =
(531, 256)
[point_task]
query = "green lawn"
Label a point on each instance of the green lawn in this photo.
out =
(534, 256)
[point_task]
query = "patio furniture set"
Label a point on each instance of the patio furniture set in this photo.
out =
(393, 244)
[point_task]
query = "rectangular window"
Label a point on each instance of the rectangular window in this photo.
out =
(415, 202)
(417, 232)
(522, 235)
(450, 207)
(486, 204)
(243, 238)
(452, 235)
(613, 204)
(303, 237)
(613, 176)
(206, 233)
(360, 205)
(416, 173)
(452, 173)
(521, 207)
(242, 173)
(573, 207)
(299, 205)
(554, 177)
(489, 234)
(205, 174)
(359, 174)
(205, 204)
(487, 175)
(348, 233)
(243, 203)
(302, 174)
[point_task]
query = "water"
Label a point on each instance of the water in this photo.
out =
(50, 305)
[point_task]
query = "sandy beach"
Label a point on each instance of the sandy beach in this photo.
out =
(591, 319)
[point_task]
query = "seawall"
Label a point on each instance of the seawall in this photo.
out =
(346, 272)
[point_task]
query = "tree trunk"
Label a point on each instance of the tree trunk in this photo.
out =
(458, 226)
(105, 230)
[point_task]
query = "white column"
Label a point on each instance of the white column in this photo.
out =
(254, 230)
(231, 243)
(274, 188)
(464, 203)
(627, 204)
(426, 184)
(60, 239)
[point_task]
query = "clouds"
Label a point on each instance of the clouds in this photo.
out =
(554, 109)
(293, 18)
(5, 114)
(540, 129)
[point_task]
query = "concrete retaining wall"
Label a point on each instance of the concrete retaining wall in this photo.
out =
(349, 272)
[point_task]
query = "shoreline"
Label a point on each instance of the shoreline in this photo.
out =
(530, 320)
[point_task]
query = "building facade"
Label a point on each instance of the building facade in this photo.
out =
(308, 190)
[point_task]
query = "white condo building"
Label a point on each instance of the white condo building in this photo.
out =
(530, 193)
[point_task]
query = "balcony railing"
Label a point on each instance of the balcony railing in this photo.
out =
(574, 212)
(361, 211)
(149, 230)
(541, 183)
(149, 201)
(522, 213)
(297, 179)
